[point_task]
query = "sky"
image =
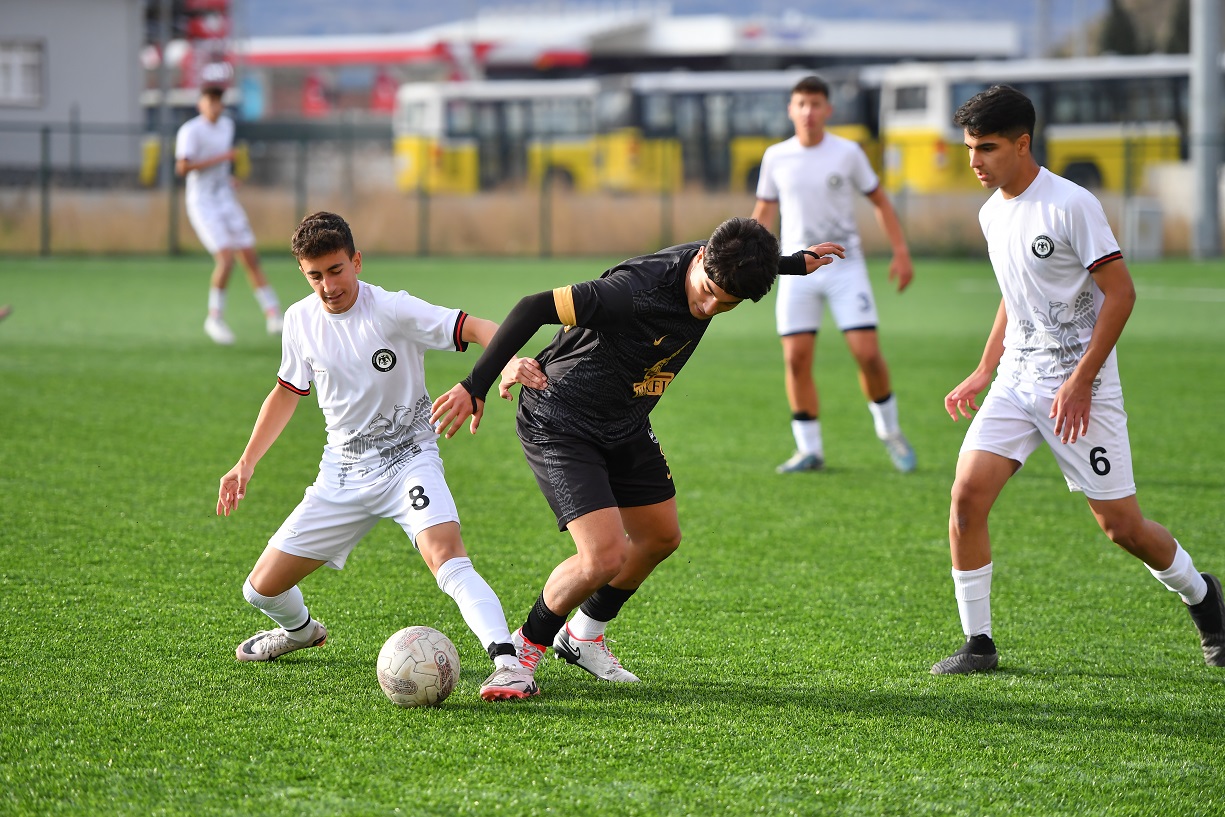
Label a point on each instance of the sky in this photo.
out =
(263, 18)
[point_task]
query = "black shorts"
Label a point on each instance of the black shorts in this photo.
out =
(578, 476)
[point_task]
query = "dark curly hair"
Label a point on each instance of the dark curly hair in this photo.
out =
(321, 234)
(742, 258)
(1000, 109)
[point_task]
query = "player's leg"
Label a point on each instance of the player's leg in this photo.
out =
(585, 579)
(797, 314)
(272, 588)
(1150, 542)
(882, 403)
(853, 307)
(215, 325)
(265, 295)
(321, 530)
(799, 356)
(999, 440)
(238, 234)
(443, 550)
(981, 476)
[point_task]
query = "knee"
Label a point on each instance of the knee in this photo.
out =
(1123, 530)
(601, 565)
(968, 506)
(665, 545)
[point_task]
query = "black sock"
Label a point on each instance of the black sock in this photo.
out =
(542, 623)
(605, 603)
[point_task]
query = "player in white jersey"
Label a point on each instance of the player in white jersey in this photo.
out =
(204, 151)
(1067, 295)
(813, 178)
(363, 347)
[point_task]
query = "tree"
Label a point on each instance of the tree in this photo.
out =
(1178, 34)
(1118, 35)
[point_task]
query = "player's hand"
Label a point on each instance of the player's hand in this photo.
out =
(448, 413)
(964, 398)
(901, 271)
(233, 488)
(1070, 411)
(522, 370)
(826, 251)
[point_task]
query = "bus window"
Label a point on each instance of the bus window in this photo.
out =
(657, 114)
(460, 118)
(910, 98)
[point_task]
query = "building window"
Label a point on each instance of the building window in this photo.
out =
(21, 73)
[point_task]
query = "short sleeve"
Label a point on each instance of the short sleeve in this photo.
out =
(1089, 232)
(767, 188)
(430, 326)
(604, 303)
(862, 174)
(295, 373)
(185, 143)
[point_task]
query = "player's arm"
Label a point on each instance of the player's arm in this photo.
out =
(523, 370)
(467, 398)
(273, 416)
(1070, 410)
(810, 259)
(183, 166)
(965, 396)
(901, 269)
(765, 213)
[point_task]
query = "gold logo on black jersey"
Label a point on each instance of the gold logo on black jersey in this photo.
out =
(655, 379)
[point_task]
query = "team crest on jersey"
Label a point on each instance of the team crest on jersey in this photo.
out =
(384, 360)
(834, 181)
(1043, 246)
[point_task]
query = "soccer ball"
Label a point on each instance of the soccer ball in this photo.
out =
(418, 666)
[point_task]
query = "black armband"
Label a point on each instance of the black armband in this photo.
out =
(794, 264)
(531, 313)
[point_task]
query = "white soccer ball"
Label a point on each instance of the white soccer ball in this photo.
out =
(418, 666)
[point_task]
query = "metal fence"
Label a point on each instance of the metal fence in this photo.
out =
(78, 188)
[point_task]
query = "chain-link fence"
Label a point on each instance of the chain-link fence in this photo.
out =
(79, 188)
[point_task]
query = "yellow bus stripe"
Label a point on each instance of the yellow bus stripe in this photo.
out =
(563, 299)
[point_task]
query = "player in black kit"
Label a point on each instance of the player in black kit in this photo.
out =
(584, 417)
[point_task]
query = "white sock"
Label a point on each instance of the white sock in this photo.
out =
(216, 302)
(586, 628)
(1182, 578)
(265, 296)
(477, 602)
(973, 591)
(807, 435)
(288, 610)
(884, 418)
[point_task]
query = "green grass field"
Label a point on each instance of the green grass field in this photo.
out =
(784, 649)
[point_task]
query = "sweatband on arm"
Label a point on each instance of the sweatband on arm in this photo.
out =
(531, 313)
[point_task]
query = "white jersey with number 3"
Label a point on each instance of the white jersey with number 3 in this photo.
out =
(368, 366)
(816, 188)
(1044, 245)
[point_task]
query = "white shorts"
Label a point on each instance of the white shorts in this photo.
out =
(329, 522)
(1013, 424)
(843, 285)
(220, 223)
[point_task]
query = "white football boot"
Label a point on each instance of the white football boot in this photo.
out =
(508, 684)
(268, 645)
(219, 331)
(593, 656)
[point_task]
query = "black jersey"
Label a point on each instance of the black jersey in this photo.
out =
(626, 336)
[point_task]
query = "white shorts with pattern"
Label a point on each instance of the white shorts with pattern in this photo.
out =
(844, 285)
(1013, 424)
(329, 522)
